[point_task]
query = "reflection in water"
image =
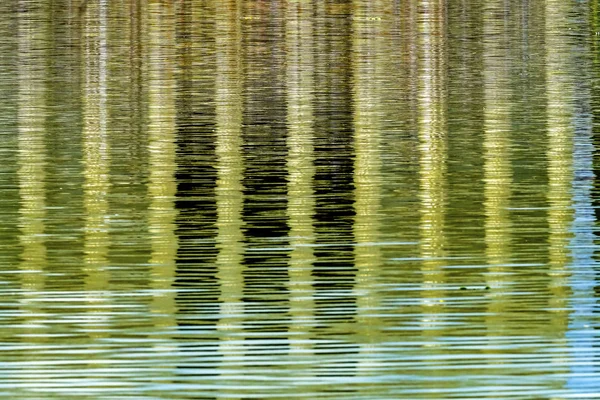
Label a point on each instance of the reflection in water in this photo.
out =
(433, 155)
(580, 333)
(560, 168)
(300, 93)
(252, 199)
(32, 330)
(497, 167)
(266, 229)
(196, 178)
(367, 67)
(33, 27)
(334, 271)
(32, 161)
(161, 183)
(96, 164)
(229, 198)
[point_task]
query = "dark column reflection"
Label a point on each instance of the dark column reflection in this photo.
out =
(582, 335)
(595, 189)
(196, 174)
(586, 310)
(265, 178)
(9, 103)
(64, 146)
(334, 270)
(595, 109)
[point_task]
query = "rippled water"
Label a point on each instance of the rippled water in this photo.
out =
(299, 199)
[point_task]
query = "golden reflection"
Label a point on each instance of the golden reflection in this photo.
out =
(497, 160)
(433, 149)
(560, 91)
(32, 112)
(368, 57)
(410, 56)
(160, 46)
(301, 170)
(32, 159)
(96, 160)
(229, 190)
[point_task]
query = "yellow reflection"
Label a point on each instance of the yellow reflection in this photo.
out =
(367, 62)
(229, 196)
(410, 53)
(433, 148)
(33, 34)
(496, 147)
(96, 160)
(160, 46)
(32, 111)
(301, 170)
(560, 111)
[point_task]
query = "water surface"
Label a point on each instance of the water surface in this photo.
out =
(299, 199)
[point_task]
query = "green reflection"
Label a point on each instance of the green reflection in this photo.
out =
(228, 192)
(560, 93)
(433, 154)
(96, 164)
(161, 59)
(356, 146)
(32, 113)
(33, 25)
(301, 171)
(497, 159)
(368, 57)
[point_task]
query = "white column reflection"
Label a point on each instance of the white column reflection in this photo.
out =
(301, 171)
(32, 37)
(368, 57)
(433, 155)
(497, 159)
(96, 165)
(560, 92)
(229, 193)
(159, 28)
(32, 113)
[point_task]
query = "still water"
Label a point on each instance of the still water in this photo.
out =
(306, 199)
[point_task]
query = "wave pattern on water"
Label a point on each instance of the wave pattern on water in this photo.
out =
(301, 199)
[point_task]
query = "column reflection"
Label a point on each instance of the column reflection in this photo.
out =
(581, 334)
(229, 192)
(433, 155)
(497, 157)
(368, 57)
(560, 92)
(32, 112)
(334, 272)
(266, 229)
(300, 164)
(96, 163)
(161, 70)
